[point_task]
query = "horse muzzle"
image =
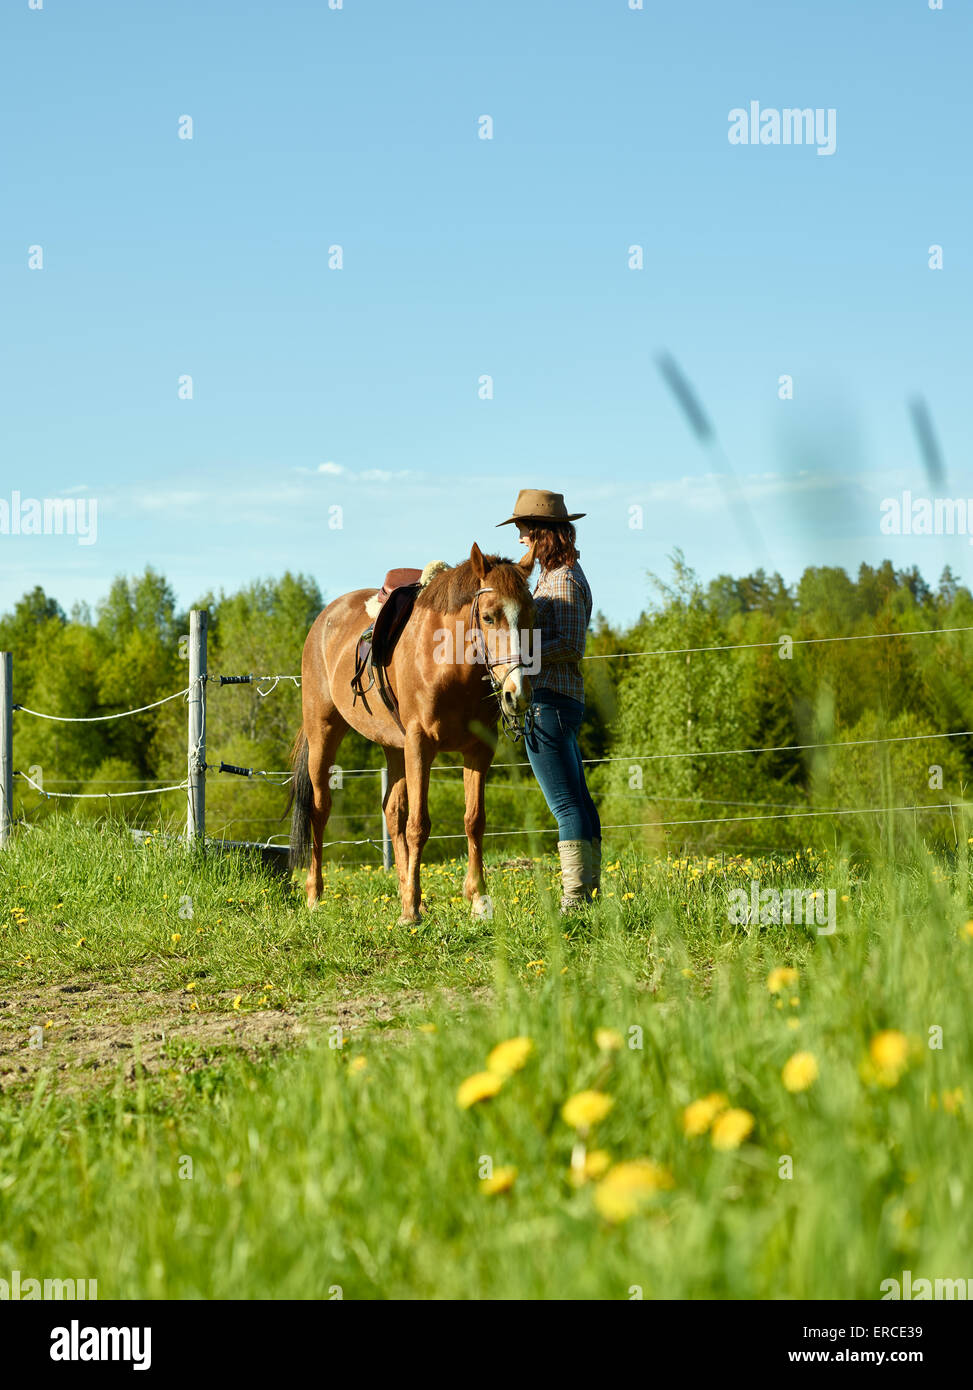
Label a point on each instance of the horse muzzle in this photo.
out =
(515, 692)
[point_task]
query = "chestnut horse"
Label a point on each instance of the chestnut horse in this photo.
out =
(448, 700)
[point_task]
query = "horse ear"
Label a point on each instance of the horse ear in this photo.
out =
(527, 563)
(478, 563)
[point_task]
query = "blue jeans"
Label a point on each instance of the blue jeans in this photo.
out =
(552, 747)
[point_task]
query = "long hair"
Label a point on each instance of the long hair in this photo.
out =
(554, 543)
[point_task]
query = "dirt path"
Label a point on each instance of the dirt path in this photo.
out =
(86, 1028)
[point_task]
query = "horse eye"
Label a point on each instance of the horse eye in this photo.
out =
(488, 619)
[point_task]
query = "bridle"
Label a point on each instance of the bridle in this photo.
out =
(515, 726)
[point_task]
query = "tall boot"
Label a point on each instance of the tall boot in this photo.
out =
(575, 858)
(596, 866)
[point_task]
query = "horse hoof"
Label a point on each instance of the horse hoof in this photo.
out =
(409, 921)
(481, 907)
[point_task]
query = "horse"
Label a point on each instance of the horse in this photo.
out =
(446, 703)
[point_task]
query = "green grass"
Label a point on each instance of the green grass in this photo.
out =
(311, 1172)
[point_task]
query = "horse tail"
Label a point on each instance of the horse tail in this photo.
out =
(301, 798)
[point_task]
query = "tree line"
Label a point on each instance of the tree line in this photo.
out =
(749, 668)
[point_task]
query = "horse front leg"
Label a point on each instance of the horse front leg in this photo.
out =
(419, 753)
(474, 781)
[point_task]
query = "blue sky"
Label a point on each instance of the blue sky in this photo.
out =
(358, 387)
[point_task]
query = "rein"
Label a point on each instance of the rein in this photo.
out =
(515, 726)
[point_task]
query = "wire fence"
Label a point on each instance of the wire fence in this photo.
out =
(265, 684)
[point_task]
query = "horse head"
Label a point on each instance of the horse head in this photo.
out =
(503, 609)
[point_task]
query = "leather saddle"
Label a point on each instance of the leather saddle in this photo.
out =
(394, 602)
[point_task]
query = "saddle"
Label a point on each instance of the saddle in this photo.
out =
(390, 609)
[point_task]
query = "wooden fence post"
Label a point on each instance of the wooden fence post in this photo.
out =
(196, 750)
(6, 745)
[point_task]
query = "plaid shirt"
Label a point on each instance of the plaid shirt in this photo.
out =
(563, 601)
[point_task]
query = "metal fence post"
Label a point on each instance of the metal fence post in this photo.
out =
(386, 842)
(6, 745)
(196, 751)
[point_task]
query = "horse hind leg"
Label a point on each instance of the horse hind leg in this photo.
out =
(322, 750)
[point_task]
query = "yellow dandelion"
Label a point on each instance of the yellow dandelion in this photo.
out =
(508, 1057)
(586, 1108)
(608, 1039)
(482, 1085)
(731, 1128)
(502, 1181)
(627, 1187)
(953, 1100)
(700, 1114)
(888, 1053)
(358, 1064)
(800, 1071)
(967, 931)
(237, 1001)
(427, 1028)
(780, 977)
(176, 936)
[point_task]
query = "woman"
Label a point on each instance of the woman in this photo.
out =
(563, 601)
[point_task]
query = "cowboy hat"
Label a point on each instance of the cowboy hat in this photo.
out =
(537, 504)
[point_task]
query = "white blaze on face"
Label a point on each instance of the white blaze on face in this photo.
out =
(511, 611)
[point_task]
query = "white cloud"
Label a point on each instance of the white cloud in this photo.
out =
(330, 468)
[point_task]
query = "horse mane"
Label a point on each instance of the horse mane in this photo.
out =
(452, 589)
